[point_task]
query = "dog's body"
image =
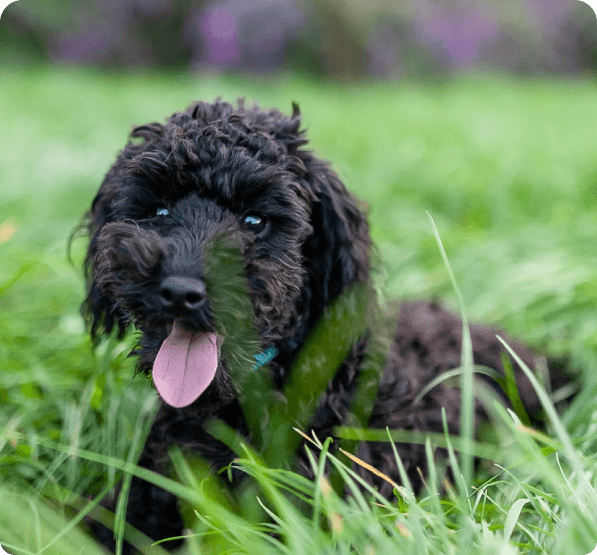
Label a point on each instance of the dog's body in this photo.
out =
(240, 174)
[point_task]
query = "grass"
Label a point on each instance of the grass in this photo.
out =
(507, 170)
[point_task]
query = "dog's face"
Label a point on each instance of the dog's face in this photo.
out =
(180, 202)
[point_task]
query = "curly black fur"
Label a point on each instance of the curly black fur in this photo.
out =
(211, 166)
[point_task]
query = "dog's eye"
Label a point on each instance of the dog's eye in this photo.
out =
(254, 223)
(162, 212)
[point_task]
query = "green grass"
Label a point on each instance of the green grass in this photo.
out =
(508, 171)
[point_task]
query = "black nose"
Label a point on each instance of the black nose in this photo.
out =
(182, 296)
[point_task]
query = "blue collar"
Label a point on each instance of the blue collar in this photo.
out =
(270, 353)
(265, 357)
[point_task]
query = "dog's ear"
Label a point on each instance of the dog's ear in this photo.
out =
(338, 250)
(98, 310)
(337, 253)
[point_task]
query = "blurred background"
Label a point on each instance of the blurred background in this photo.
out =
(481, 112)
(341, 39)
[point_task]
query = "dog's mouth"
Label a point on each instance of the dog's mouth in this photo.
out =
(185, 365)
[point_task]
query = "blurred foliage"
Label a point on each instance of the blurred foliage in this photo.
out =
(337, 38)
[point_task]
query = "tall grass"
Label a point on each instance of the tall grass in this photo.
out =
(506, 169)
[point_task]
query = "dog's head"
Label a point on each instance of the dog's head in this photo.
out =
(185, 197)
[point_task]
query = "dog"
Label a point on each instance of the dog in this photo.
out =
(219, 180)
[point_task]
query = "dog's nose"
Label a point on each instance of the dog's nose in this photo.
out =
(182, 296)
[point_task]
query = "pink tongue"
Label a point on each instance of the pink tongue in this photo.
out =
(186, 364)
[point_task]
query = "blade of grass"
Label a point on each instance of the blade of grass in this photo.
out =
(142, 429)
(466, 384)
(343, 323)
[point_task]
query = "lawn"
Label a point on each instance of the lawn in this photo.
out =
(506, 168)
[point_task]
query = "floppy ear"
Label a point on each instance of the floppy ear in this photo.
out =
(101, 313)
(337, 253)
(98, 310)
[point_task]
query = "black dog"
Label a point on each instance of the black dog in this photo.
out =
(214, 175)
